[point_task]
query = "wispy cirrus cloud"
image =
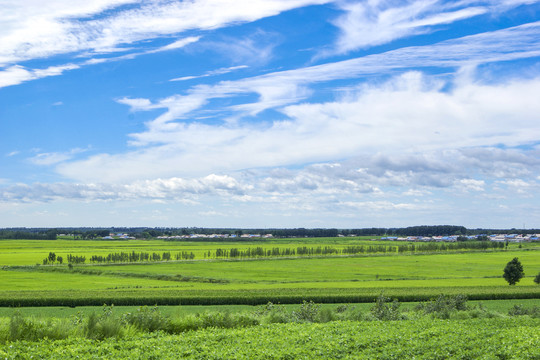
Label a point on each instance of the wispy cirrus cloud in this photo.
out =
(63, 27)
(370, 23)
(52, 158)
(17, 74)
(279, 89)
(220, 71)
(32, 31)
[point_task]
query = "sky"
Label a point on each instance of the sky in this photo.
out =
(270, 113)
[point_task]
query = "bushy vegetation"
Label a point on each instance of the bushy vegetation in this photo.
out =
(107, 323)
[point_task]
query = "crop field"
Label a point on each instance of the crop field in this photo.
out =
(325, 298)
(210, 280)
(445, 328)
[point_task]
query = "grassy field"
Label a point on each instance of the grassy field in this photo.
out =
(500, 306)
(407, 276)
(56, 311)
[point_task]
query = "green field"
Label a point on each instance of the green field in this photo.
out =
(56, 311)
(286, 279)
(425, 338)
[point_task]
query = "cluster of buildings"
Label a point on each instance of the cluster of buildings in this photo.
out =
(215, 236)
(113, 236)
(453, 238)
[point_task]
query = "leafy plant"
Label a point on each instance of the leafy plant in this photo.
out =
(383, 310)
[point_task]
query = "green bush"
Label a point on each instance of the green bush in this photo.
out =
(104, 326)
(443, 305)
(307, 312)
(519, 310)
(382, 310)
(147, 319)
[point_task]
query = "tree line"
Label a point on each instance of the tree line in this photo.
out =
(27, 235)
(353, 249)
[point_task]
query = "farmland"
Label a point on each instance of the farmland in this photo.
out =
(211, 280)
(444, 328)
(65, 318)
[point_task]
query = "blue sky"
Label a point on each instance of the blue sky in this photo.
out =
(270, 113)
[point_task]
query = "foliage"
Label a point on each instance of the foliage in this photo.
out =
(519, 310)
(419, 339)
(307, 312)
(104, 326)
(146, 319)
(537, 279)
(513, 272)
(383, 310)
(443, 305)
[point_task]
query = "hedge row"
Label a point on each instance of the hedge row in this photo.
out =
(253, 297)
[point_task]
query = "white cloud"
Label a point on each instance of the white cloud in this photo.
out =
(53, 158)
(17, 74)
(471, 185)
(13, 153)
(220, 71)
(172, 189)
(33, 30)
(370, 23)
(283, 88)
(422, 118)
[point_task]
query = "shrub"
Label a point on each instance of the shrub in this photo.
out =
(147, 319)
(382, 310)
(519, 310)
(443, 305)
(307, 312)
(104, 326)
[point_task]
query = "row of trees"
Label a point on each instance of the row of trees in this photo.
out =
(121, 257)
(353, 249)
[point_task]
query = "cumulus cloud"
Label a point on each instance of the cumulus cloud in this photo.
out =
(363, 178)
(173, 189)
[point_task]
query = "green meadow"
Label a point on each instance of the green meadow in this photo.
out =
(330, 305)
(207, 280)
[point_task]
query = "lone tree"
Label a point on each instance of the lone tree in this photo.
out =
(513, 272)
(537, 279)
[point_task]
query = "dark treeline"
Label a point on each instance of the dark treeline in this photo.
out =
(30, 235)
(144, 232)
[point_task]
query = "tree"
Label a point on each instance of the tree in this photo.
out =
(537, 279)
(513, 272)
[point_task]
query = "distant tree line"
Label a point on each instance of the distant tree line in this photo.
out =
(144, 232)
(20, 234)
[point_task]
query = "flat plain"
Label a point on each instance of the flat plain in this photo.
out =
(209, 279)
